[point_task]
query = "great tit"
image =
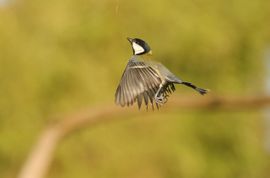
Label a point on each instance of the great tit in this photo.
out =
(146, 80)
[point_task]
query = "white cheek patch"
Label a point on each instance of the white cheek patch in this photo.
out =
(137, 48)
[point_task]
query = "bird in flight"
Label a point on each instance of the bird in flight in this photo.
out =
(146, 80)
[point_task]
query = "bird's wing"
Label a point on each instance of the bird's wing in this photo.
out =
(139, 82)
(164, 71)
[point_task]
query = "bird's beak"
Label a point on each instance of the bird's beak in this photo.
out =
(130, 39)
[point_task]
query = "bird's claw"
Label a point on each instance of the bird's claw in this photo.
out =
(160, 99)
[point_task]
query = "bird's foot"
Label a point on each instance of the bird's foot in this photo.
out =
(160, 99)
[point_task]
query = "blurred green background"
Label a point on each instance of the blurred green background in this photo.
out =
(58, 57)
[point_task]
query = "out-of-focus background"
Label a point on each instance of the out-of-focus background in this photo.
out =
(60, 56)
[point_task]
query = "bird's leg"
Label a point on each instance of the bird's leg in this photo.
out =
(159, 98)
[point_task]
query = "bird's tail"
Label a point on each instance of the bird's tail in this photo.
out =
(200, 90)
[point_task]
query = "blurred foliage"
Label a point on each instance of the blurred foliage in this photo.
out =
(59, 56)
(166, 145)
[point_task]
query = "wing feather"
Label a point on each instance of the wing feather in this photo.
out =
(139, 82)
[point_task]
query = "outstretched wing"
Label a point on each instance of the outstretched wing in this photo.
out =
(139, 82)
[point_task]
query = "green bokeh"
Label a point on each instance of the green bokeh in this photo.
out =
(60, 56)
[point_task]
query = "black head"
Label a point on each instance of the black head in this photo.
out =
(139, 46)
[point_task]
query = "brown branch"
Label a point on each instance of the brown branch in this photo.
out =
(221, 102)
(39, 160)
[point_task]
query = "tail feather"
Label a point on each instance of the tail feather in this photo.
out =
(200, 90)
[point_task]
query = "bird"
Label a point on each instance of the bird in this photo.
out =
(144, 80)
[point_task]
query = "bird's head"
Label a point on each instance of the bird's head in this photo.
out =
(139, 46)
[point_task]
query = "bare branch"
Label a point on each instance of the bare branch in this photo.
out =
(39, 160)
